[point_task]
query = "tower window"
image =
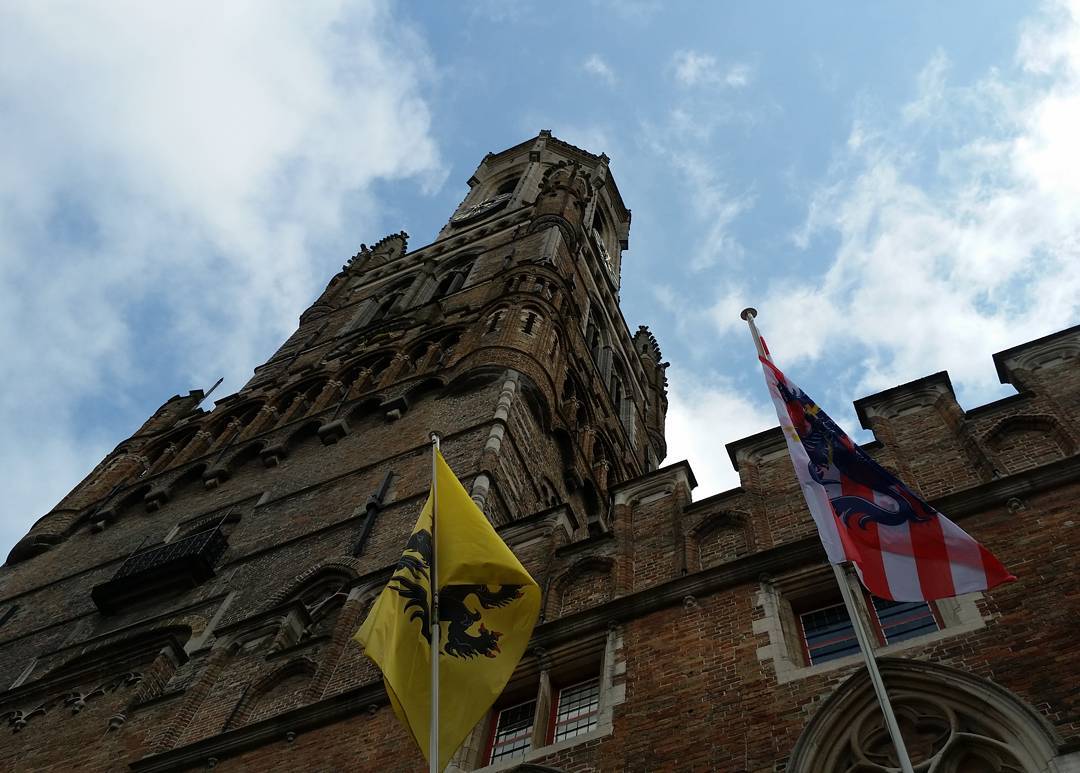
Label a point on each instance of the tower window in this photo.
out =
(454, 280)
(593, 340)
(529, 323)
(508, 186)
(599, 222)
(493, 321)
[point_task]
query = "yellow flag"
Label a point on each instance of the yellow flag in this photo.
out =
(488, 605)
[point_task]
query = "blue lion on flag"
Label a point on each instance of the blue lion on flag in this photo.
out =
(836, 459)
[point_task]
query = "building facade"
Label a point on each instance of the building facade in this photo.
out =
(190, 604)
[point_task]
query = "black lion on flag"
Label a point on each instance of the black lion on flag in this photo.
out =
(453, 607)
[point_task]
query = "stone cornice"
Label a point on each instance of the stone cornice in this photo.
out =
(895, 400)
(107, 660)
(675, 472)
(232, 742)
(1033, 353)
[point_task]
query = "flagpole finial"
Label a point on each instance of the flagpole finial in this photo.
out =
(748, 313)
(435, 439)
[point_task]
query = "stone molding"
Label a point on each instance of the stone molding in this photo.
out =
(1032, 355)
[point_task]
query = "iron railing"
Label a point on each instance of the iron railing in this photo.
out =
(170, 567)
(204, 546)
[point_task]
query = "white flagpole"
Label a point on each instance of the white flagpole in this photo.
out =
(865, 644)
(436, 638)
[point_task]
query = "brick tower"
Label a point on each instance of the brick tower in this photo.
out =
(211, 543)
(190, 605)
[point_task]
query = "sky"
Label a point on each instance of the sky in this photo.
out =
(895, 186)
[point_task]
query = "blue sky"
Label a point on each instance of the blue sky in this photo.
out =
(896, 186)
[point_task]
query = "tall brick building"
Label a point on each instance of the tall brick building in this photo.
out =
(190, 604)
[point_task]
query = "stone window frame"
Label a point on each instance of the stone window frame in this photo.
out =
(602, 657)
(781, 599)
(973, 717)
(877, 627)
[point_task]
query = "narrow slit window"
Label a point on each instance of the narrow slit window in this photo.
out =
(530, 323)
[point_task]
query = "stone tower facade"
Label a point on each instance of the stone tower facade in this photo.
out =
(190, 604)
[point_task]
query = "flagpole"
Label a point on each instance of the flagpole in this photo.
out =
(861, 634)
(436, 638)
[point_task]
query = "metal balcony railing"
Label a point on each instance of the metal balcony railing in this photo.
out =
(177, 565)
(204, 546)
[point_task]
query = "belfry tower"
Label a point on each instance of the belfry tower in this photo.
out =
(190, 605)
(208, 573)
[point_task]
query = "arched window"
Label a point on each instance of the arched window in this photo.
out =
(599, 222)
(592, 339)
(952, 722)
(507, 186)
(454, 279)
(393, 296)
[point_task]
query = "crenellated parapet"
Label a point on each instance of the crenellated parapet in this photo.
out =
(922, 426)
(923, 435)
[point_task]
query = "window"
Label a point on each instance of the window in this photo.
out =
(508, 186)
(577, 710)
(899, 620)
(827, 633)
(798, 608)
(493, 321)
(453, 280)
(528, 322)
(512, 733)
(956, 723)
(568, 698)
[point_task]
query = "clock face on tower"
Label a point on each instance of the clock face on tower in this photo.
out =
(481, 209)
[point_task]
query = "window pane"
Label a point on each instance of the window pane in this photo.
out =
(513, 732)
(901, 620)
(577, 709)
(828, 634)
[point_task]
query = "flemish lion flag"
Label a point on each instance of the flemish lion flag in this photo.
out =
(488, 605)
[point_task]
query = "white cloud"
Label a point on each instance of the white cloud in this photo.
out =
(595, 65)
(717, 208)
(958, 227)
(931, 91)
(197, 161)
(693, 68)
(704, 415)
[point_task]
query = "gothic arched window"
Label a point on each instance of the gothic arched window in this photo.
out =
(599, 222)
(454, 279)
(507, 186)
(952, 722)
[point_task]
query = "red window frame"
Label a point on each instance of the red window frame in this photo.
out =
(489, 751)
(553, 724)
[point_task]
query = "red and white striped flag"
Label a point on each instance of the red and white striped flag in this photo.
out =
(902, 548)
